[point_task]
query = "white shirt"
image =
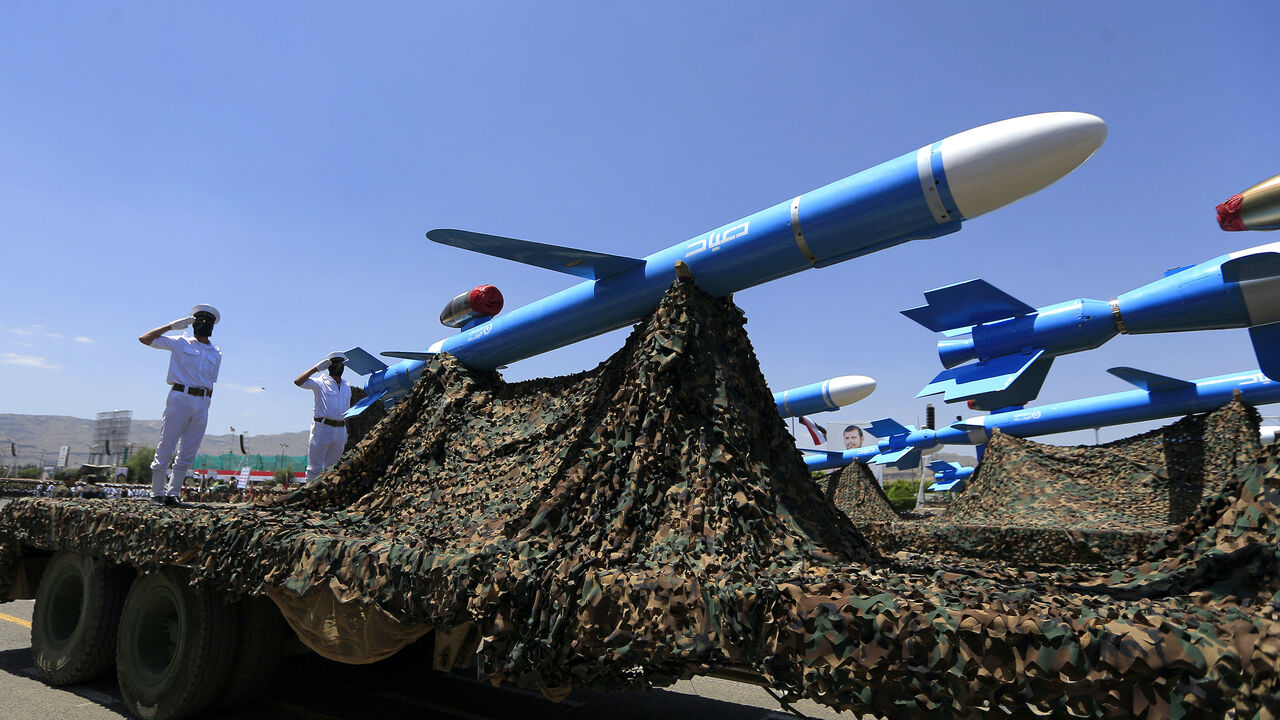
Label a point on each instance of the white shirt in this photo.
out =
(333, 397)
(191, 362)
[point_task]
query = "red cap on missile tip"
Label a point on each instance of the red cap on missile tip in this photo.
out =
(486, 300)
(1229, 214)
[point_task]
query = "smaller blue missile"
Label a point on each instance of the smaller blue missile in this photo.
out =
(1157, 397)
(998, 349)
(831, 394)
(949, 475)
(823, 396)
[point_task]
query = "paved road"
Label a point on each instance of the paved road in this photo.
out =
(308, 687)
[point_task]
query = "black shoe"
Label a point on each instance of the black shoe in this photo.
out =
(158, 500)
(171, 501)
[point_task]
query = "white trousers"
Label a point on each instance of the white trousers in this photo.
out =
(325, 448)
(182, 427)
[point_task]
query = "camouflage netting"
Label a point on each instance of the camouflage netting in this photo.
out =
(1032, 503)
(651, 519)
(858, 494)
(1150, 481)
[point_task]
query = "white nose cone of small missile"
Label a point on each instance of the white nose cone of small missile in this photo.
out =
(849, 389)
(991, 166)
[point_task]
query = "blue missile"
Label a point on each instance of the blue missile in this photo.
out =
(823, 396)
(1157, 397)
(998, 349)
(949, 475)
(926, 193)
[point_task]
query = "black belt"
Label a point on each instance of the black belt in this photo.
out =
(332, 423)
(197, 391)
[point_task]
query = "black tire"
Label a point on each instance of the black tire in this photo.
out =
(77, 612)
(175, 648)
(262, 638)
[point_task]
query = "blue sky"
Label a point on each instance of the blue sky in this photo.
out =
(283, 161)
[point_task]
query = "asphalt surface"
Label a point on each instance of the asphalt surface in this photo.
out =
(308, 687)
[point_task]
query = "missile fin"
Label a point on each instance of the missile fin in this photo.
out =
(1266, 346)
(1256, 266)
(971, 302)
(408, 354)
(363, 405)
(887, 427)
(362, 363)
(943, 466)
(579, 263)
(903, 459)
(998, 382)
(952, 484)
(1175, 271)
(1149, 381)
(827, 454)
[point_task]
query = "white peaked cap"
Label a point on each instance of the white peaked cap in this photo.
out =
(336, 356)
(209, 309)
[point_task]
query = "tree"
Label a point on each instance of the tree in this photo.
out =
(902, 494)
(139, 464)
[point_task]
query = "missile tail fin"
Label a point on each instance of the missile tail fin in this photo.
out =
(361, 362)
(999, 382)
(585, 264)
(363, 405)
(1149, 381)
(1266, 346)
(956, 484)
(965, 304)
(943, 466)
(904, 459)
(888, 427)
(826, 454)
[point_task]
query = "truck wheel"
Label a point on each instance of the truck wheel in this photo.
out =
(77, 611)
(175, 648)
(262, 638)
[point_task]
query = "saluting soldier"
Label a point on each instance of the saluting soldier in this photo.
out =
(193, 369)
(333, 398)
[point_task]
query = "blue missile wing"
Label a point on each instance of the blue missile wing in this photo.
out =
(585, 264)
(1149, 381)
(1001, 382)
(962, 305)
(362, 363)
(419, 355)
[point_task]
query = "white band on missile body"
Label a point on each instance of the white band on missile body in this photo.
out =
(924, 168)
(795, 228)
(785, 406)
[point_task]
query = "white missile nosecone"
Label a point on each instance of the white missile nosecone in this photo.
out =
(991, 166)
(849, 389)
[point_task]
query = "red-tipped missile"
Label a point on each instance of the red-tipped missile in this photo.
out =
(1257, 208)
(484, 301)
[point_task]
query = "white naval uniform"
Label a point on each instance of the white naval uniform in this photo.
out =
(333, 397)
(191, 364)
